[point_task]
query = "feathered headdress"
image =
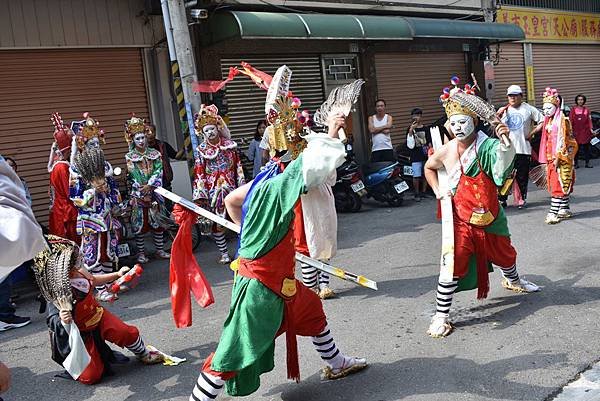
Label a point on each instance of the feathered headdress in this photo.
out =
(90, 165)
(52, 266)
(450, 99)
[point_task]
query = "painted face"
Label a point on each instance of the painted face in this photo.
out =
(93, 143)
(549, 109)
(462, 126)
(210, 132)
(140, 140)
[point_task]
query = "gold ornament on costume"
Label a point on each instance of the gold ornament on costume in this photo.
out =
(134, 126)
(90, 128)
(208, 115)
(452, 106)
(551, 96)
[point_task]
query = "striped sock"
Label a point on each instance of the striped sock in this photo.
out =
(510, 273)
(309, 275)
(107, 267)
(564, 203)
(138, 347)
(555, 205)
(221, 242)
(327, 349)
(323, 280)
(159, 242)
(140, 243)
(98, 269)
(445, 293)
(207, 388)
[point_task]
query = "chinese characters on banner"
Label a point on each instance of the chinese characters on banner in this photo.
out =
(550, 25)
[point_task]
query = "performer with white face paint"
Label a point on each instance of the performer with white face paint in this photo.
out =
(476, 166)
(558, 149)
(144, 173)
(218, 170)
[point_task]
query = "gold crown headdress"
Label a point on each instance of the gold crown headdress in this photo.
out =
(89, 128)
(451, 104)
(208, 115)
(133, 126)
(550, 95)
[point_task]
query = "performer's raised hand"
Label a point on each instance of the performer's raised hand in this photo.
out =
(123, 271)
(503, 132)
(66, 316)
(336, 122)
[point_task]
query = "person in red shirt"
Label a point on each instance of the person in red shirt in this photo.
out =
(581, 122)
(62, 221)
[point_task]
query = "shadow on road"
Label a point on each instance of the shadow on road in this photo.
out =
(418, 376)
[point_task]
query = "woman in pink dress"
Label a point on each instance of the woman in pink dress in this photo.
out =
(582, 129)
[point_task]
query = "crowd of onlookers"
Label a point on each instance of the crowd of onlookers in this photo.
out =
(522, 119)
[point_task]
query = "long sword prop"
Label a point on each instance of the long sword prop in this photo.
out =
(447, 258)
(334, 271)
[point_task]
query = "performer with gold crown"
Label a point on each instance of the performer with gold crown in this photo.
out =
(558, 149)
(218, 170)
(144, 173)
(476, 165)
(267, 300)
(95, 194)
(62, 220)
(67, 286)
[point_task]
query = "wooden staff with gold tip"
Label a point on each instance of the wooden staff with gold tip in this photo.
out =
(334, 271)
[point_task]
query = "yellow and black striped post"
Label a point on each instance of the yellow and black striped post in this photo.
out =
(185, 129)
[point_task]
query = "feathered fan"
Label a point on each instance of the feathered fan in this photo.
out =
(340, 100)
(482, 108)
(90, 164)
(539, 176)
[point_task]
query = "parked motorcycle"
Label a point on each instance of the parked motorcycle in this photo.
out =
(384, 183)
(595, 142)
(348, 188)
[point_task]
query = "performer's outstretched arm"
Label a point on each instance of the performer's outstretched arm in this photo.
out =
(431, 166)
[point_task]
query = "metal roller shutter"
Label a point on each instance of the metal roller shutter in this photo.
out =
(572, 69)
(509, 71)
(108, 83)
(409, 80)
(246, 101)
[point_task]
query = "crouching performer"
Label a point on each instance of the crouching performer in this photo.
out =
(79, 326)
(476, 165)
(267, 300)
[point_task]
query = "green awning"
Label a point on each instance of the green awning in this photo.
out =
(265, 25)
(447, 28)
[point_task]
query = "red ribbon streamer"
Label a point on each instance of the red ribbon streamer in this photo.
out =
(185, 274)
(260, 78)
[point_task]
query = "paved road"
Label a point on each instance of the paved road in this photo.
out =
(508, 347)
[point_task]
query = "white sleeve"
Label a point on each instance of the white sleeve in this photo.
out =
(321, 157)
(536, 115)
(264, 142)
(21, 236)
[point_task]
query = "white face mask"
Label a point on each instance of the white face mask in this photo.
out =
(549, 109)
(140, 140)
(462, 126)
(210, 132)
(93, 143)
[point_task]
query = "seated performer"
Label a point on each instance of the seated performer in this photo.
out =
(267, 300)
(218, 170)
(476, 166)
(59, 271)
(558, 149)
(144, 173)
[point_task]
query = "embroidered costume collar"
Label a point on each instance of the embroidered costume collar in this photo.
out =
(135, 156)
(208, 151)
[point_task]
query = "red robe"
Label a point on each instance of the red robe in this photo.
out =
(63, 214)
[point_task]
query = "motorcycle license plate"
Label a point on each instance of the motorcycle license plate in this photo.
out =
(408, 170)
(595, 141)
(123, 250)
(358, 186)
(401, 187)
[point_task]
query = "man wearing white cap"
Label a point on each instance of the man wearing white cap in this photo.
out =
(521, 118)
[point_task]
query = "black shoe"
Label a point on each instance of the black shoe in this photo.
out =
(13, 322)
(504, 204)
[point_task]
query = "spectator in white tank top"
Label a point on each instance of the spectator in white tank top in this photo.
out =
(380, 126)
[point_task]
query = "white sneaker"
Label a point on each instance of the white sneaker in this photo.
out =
(106, 296)
(225, 259)
(163, 254)
(564, 214)
(522, 286)
(141, 258)
(440, 326)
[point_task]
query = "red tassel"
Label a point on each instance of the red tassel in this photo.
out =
(293, 366)
(481, 260)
